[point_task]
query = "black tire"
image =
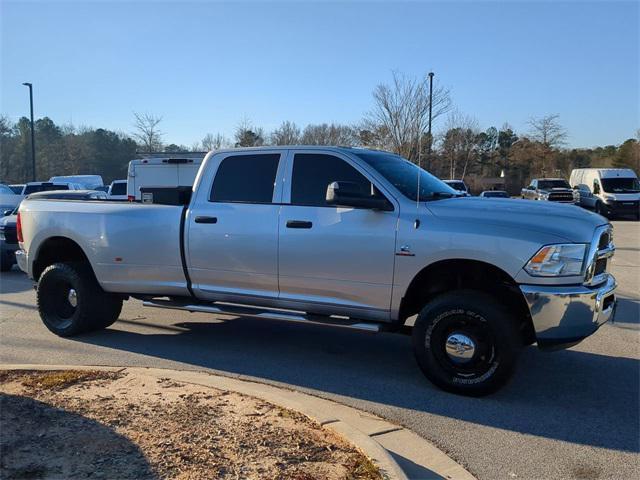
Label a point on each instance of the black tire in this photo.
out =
(478, 317)
(94, 308)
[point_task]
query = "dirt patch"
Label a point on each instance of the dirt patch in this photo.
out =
(87, 424)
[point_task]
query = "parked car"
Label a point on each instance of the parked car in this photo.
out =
(161, 172)
(118, 190)
(33, 187)
(549, 189)
(17, 188)
(494, 194)
(8, 240)
(8, 199)
(609, 191)
(334, 236)
(69, 195)
(458, 185)
(87, 182)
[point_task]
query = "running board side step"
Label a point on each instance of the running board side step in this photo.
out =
(284, 315)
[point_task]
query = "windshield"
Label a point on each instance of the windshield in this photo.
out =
(548, 184)
(44, 187)
(460, 186)
(496, 194)
(403, 175)
(620, 185)
(119, 188)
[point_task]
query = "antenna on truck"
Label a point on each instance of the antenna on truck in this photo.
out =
(419, 132)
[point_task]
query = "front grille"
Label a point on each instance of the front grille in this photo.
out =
(598, 259)
(605, 239)
(561, 197)
(601, 266)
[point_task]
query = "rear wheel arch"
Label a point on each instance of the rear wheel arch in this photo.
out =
(465, 274)
(57, 250)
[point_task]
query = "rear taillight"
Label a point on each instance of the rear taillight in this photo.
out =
(131, 198)
(19, 228)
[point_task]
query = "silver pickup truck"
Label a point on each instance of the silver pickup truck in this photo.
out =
(344, 237)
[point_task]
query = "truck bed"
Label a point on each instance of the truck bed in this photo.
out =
(132, 247)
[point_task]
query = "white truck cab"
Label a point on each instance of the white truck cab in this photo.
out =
(609, 191)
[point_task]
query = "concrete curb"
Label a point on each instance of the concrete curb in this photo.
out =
(399, 453)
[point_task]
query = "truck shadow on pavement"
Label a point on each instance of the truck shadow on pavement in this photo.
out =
(570, 395)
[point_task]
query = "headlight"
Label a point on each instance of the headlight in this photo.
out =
(544, 196)
(557, 260)
(609, 199)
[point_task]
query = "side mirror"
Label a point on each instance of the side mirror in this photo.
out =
(576, 187)
(596, 188)
(7, 213)
(349, 194)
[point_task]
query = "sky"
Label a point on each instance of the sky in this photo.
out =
(204, 66)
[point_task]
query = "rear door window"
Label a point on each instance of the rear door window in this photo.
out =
(245, 179)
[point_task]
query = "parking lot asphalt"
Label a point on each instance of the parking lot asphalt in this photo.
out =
(566, 414)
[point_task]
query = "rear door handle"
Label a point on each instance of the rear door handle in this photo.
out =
(299, 224)
(205, 219)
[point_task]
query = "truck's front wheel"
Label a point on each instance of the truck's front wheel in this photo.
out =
(70, 301)
(466, 343)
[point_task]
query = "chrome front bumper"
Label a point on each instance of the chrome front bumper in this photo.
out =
(21, 260)
(563, 316)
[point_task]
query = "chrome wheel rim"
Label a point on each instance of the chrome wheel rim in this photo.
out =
(72, 298)
(460, 348)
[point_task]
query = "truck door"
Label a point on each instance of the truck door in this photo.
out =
(332, 255)
(232, 228)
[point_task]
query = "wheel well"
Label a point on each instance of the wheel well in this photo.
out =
(448, 275)
(54, 250)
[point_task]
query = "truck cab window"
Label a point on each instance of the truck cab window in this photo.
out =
(245, 179)
(312, 174)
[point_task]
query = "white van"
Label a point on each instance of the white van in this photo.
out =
(162, 172)
(89, 182)
(609, 191)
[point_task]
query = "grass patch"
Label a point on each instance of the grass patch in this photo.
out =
(58, 380)
(363, 468)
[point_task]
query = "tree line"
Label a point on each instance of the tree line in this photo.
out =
(397, 122)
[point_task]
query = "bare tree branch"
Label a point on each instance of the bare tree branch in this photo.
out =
(147, 133)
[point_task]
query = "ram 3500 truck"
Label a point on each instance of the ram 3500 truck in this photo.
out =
(550, 190)
(345, 237)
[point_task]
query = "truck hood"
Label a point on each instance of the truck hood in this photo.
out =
(567, 222)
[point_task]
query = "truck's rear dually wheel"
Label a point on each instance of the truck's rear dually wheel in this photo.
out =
(466, 343)
(70, 301)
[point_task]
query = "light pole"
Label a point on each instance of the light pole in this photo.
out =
(430, 111)
(33, 137)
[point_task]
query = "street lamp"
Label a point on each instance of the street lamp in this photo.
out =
(430, 111)
(33, 138)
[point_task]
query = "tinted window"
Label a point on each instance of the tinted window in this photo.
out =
(119, 189)
(246, 179)
(312, 174)
(6, 190)
(44, 187)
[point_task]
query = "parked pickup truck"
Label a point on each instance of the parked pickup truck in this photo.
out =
(549, 189)
(340, 237)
